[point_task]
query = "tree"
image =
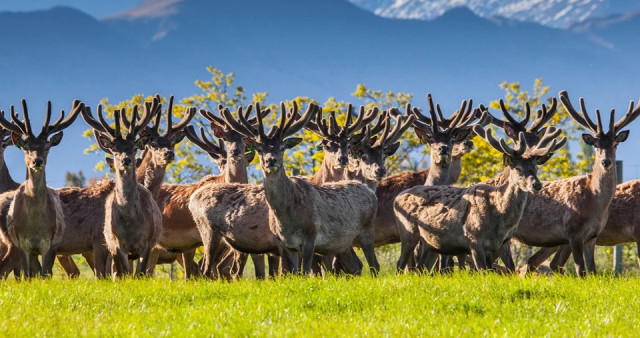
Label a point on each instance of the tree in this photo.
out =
(74, 179)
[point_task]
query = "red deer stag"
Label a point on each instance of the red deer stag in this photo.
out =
(576, 208)
(308, 218)
(35, 220)
(132, 218)
(475, 219)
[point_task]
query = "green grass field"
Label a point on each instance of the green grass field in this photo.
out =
(464, 303)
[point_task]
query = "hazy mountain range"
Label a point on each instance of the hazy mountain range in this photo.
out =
(316, 48)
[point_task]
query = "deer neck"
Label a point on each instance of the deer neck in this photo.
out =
(279, 190)
(455, 169)
(35, 186)
(438, 173)
(126, 188)
(510, 201)
(236, 170)
(150, 174)
(327, 171)
(603, 182)
(6, 181)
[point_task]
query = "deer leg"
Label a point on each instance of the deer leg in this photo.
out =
(330, 264)
(24, 260)
(589, 252)
(407, 244)
(560, 258)
(68, 265)
(428, 261)
(258, 266)
(148, 261)
(11, 262)
(479, 258)
(191, 268)
(210, 247)
(367, 243)
(540, 256)
(121, 261)
(88, 257)
(316, 266)
(100, 261)
(48, 258)
(290, 260)
(307, 255)
(444, 266)
(274, 265)
(577, 249)
(350, 262)
(506, 258)
(461, 261)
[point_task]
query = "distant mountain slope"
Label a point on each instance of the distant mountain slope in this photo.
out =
(552, 13)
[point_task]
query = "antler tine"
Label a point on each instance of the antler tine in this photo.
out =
(462, 117)
(553, 147)
(434, 119)
(333, 124)
(380, 124)
(27, 120)
(147, 115)
(189, 113)
(631, 115)
(487, 135)
(16, 121)
(8, 125)
(439, 111)
(169, 116)
(527, 115)
(47, 119)
(549, 134)
(116, 117)
(315, 126)
(599, 131)
(420, 117)
(544, 116)
(403, 124)
(62, 123)
(344, 130)
(242, 128)
(213, 118)
(291, 129)
(96, 134)
(512, 121)
(385, 133)
(349, 129)
(587, 123)
(102, 126)
(203, 143)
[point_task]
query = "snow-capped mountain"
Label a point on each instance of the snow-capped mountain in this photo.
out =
(552, 13)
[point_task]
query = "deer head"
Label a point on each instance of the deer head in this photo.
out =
(523, 160)
(217, 152)
(605, 143)
(442, 134)
(36, 148)
(337, 141)
(122, 148)
(233, 141)
(461, 149)
(513, 127)
(372, 150)
(162, 145)
(272, 145)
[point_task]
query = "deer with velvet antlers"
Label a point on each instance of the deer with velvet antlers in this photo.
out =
(132, 218)
(35, 220)
(476, 219)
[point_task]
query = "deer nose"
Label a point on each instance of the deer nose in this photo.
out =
(236, 152)
(606, 163)
(38, 162)
(272, 162)
(126, 162)
(343, 160)
(468, 144)
(169, 156)
(444, 150)
(380, 172)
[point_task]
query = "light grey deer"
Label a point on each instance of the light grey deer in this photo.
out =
(308, 218)
(35, 221)
(132, 218)
(475, 219)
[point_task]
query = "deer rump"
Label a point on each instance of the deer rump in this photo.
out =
(450, 219)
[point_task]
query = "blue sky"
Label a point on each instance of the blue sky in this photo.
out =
(96, 8)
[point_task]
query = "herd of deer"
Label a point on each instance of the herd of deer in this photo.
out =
(317, 221)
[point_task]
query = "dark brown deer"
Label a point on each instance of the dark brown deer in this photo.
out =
(475, 219)
(132, 218)
(576, 208)
(308, 218)
(7, 184)
(35, 221)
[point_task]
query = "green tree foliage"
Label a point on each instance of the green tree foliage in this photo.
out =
(74, 179)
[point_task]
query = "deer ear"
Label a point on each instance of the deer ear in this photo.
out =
(461, 135)
(104, 142)
(390, 150)
(142, 141)
(622, 136)
(506, 161)
(55, 139)
(138, 162)
(588, 139)
(250, 144)
(292, 142)
(509, 131)
(424, 136)
(217, 130)
(109, 161)
(250, 156)
(178, 137)
(543, 159)
(17, 140)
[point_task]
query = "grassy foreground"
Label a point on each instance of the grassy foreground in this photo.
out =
(461, 304)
